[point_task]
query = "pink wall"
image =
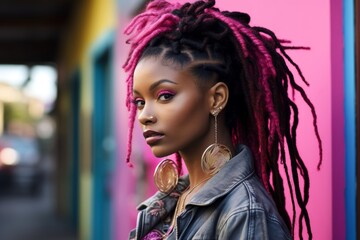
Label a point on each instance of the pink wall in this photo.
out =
(131, 185)
(123, 185)
(294, 20)
(306, 23)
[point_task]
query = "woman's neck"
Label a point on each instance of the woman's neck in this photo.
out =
(192, 158)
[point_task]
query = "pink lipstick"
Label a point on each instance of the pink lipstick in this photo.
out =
(152, 137)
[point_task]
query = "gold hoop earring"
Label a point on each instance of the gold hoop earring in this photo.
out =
(166, 176)
(215, 155)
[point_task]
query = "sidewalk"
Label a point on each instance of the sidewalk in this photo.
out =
(24, 217)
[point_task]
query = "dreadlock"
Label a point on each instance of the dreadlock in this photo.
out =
(252, 61)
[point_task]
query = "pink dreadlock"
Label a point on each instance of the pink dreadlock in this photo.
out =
(148, 26)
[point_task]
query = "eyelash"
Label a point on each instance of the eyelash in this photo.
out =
(139, 102)
(165, 93)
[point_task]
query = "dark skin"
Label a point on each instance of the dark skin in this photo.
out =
(172, 103)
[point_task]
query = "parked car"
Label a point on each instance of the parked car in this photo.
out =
(20, 163)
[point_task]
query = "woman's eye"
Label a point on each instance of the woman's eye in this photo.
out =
(139, 103)
(165, 96)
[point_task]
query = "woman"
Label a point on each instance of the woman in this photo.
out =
(210, 88)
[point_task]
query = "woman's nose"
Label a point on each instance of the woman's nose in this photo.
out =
(146, 118)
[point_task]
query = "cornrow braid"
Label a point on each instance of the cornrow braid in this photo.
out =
(222, 46)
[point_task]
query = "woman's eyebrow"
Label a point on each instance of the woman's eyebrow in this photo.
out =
(155, 84)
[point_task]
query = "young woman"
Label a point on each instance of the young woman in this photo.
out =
(212, 89)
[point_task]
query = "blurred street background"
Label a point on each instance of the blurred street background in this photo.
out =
(30, 39)
(31, 215)
(63, 122)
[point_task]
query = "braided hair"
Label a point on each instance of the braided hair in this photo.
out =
(252, 61)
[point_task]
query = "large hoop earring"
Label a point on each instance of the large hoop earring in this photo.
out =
(166, 176)
(215, 155)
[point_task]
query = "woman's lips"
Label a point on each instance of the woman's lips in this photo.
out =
(152, 137)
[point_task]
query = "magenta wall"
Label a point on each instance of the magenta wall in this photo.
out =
(306, 23)
(311, 23)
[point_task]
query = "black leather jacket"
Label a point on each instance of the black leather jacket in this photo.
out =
(233, 204)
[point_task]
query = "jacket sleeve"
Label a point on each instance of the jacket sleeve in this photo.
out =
(253, 224)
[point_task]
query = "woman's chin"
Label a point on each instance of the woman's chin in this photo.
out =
(160, 153)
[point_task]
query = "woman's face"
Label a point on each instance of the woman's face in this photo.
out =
(172, 109)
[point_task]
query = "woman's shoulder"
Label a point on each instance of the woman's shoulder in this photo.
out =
(250, 194)
(249, 204)
(245, 187)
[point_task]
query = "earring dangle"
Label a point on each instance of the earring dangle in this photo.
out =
(215, 155)
(166, 176)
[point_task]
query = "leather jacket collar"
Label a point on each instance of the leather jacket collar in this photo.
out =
(155, 213)
(233, 172)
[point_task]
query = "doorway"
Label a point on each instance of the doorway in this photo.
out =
(103, 139)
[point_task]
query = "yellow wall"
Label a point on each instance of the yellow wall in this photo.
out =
(91, 19)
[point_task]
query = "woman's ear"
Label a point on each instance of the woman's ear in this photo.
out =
(218, 96)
